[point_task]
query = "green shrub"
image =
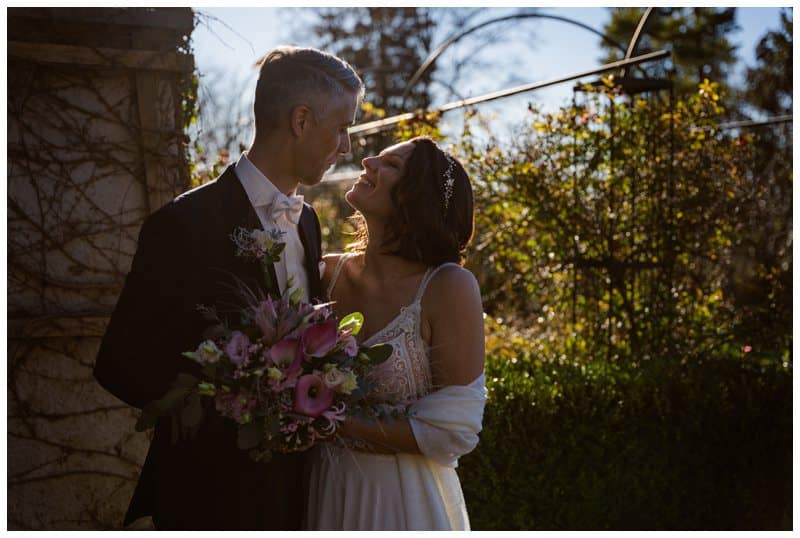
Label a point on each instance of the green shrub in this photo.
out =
(702, 445)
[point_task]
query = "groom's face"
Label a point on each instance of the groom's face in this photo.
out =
(327, 137)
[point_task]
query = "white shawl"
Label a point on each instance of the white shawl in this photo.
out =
(446, 423)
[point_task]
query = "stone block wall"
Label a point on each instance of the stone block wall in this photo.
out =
(97, 101)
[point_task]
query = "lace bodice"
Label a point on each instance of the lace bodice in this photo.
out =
(406, 374)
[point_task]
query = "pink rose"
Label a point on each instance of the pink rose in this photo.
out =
(311, 396)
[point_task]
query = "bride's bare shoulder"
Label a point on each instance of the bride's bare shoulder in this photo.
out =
(332, 260)
(454, 286)
(454, 278)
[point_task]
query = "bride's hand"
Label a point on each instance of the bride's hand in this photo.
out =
(345, 429)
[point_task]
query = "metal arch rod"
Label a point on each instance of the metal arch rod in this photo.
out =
(349, 175)
(431, 59)
(637, 34)
(380, 125)
(774, 120)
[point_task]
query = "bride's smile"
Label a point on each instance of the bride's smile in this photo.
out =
(370, 193)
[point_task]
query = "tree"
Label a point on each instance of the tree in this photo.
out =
(224, 126)
(761, 271)
(386, 45)
(769, 82)
(696, 36)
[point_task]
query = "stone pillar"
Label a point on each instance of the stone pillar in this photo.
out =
(96, 142)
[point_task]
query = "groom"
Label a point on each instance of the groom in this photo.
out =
(305, 100)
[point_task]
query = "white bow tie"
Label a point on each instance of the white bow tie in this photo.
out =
(289, 207)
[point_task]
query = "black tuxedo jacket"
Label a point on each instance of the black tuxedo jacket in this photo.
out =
(185, 258)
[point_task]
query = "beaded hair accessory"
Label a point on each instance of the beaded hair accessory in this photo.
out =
(449, 180)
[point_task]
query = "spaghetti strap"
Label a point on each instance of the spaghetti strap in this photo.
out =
(336, 270)
(429, 274)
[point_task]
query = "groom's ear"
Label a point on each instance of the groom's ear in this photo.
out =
(300, 119)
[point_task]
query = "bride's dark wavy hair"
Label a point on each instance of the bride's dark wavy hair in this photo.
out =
(420, 228)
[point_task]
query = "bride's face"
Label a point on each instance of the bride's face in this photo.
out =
(371, 194)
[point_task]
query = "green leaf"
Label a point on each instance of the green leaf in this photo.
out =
(360, 392)
(148, 418)
(353, 322)
(192, 414)
(296, 295)
(378, 353)
(158, 408)
(268, 280)
(262, 456)
(185, 381)
(250, 435)
(210, 370)
(357, 394)
(175, 430)
(215, 331)
(274, 426)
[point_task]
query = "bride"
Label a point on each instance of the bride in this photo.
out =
(415, 218)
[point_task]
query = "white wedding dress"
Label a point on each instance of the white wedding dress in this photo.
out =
(351, 489)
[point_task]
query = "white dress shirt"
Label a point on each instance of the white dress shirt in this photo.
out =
(261, 192)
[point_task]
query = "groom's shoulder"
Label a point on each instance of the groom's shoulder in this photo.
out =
(189, 209)
(206, 193)
(200, 198)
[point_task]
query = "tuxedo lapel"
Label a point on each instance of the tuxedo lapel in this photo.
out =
(239, 213)
(310, 237)
(236, 206)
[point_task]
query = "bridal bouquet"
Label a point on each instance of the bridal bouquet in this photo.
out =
(288, 374)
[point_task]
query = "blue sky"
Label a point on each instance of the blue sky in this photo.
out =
(233, 39)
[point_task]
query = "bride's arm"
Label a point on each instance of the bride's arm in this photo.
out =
(381, 436)
(453, 311)
(452, 307)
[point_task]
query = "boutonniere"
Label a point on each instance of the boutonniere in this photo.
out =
(265, 247)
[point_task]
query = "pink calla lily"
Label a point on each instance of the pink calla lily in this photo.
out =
(319, 339)
(287, 355)
(311, 396)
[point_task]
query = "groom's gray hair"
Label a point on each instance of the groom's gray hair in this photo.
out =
(292, 75)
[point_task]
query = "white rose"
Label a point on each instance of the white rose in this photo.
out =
(333, 378)
(262, 239)
(349, 384)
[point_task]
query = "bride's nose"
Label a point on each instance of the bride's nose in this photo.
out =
(368, 162)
